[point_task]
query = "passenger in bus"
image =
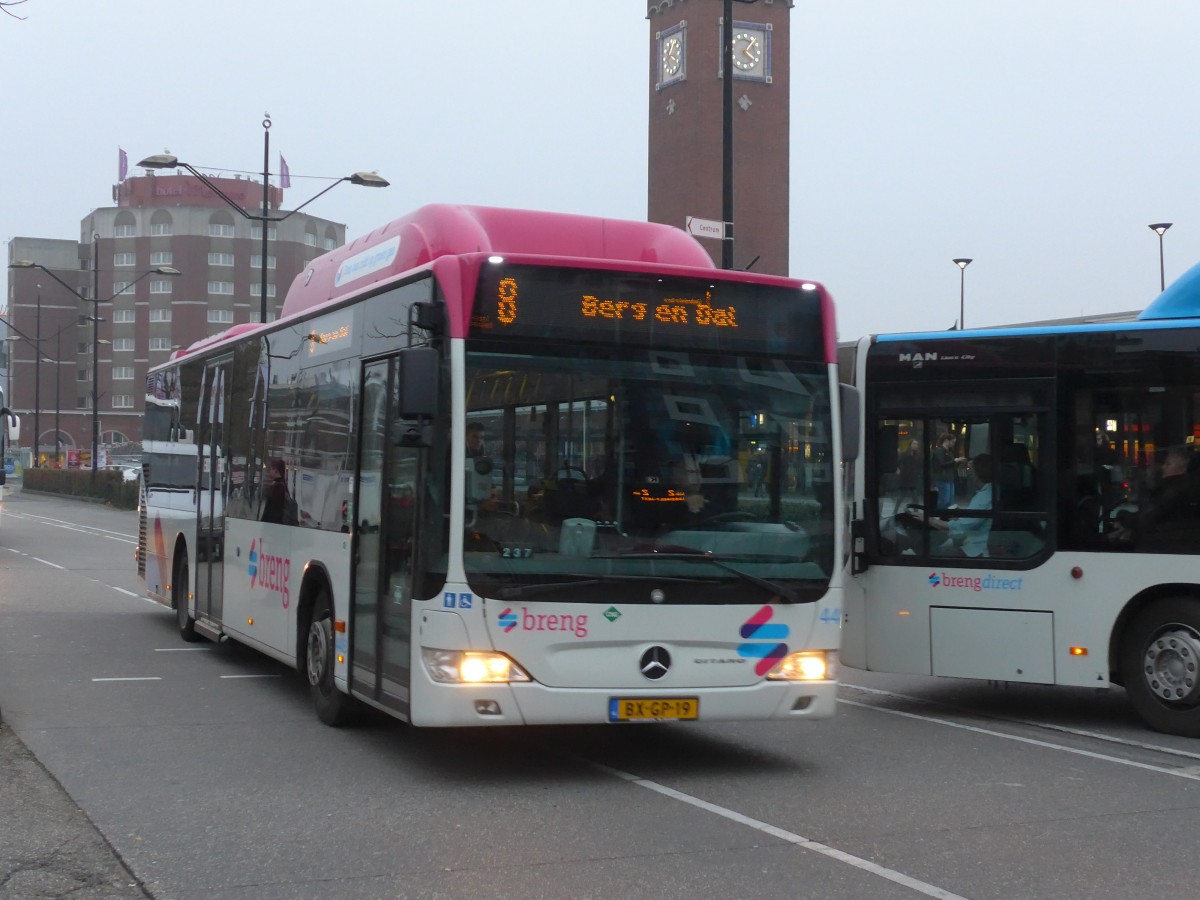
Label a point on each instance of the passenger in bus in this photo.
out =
(481, 490)
(969, 535)
(275, 494)
(944, 465)
(1169, 520)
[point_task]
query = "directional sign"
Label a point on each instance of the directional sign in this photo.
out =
(706, 228)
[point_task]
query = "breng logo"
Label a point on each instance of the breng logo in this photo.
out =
(975, 583)
(269, 572)
(767, 647)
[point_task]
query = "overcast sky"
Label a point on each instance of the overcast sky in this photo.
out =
(1039, 137)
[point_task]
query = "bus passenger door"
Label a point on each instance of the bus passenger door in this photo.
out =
(211, 445)
(385, 536)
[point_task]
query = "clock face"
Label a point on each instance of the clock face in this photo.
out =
(748, 48)
(671, 52)
(672, 55)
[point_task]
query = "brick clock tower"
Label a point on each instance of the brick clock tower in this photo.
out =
(686, 123)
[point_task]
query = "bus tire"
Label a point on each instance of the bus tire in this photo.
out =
(1160, 663)
(179, 599)
(333, 707)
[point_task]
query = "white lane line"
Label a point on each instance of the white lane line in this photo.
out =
(1162, 770)
(145, 678)
(123, 591)
(866, 865)
(249, 676)
(1049, 726)
(47, 562)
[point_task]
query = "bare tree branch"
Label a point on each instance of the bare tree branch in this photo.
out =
(5, 4)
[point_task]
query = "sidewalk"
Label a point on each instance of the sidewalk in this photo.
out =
(48, 846)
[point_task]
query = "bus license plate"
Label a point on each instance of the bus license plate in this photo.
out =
(630, 709)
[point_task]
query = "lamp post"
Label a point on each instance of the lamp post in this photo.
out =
(37, 382)
(170, 271)
(1160, 229)
(264, 218)
(962, 288)
(727, 133)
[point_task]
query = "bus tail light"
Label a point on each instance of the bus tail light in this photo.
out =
(471, 667)
(807, 665)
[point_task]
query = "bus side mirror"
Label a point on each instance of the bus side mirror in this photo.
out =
(850, 401)
(419, 373)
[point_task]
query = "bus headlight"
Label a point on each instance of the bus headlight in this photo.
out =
(471, 667)
(807, 665)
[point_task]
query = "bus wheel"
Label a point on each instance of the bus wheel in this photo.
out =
(331, 704)
(179, 596)
(1160, 661)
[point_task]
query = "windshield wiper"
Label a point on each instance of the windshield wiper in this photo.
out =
(687, 554)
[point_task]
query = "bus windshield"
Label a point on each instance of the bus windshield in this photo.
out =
(646, 476)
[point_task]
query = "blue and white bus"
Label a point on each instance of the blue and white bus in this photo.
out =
(1074, 460)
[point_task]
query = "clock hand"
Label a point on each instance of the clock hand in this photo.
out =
(746, 49)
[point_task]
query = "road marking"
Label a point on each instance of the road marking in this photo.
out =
(921, 887)
(145, 678)
(1162, 770)
(47, 562)
(249, 676)
(123, 591)
(1049, 726)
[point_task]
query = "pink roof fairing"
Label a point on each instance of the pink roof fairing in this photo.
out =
(441, 230)
(214, 339)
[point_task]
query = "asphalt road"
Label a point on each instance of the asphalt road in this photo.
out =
(156, 768)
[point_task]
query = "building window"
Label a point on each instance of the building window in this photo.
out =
(83, 348)
(330, 244)
(221, 316)
(160, 286)
(125, 231)
(161, 229)
(220, 287)
(256, 316)
(217, 229)
(122, 401)
(160, 315)
(220, 259)
(256, 232)
(256, 262)
(256, 290)
(123, 315)
(123, 259)
(82, 375)
(160, 343)
(122, 373)
(120, 287)
(122, 343)
(161, 258)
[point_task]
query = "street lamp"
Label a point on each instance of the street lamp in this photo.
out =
(962, 288)
(169, 271)
(37, 383)
(166, 161)
(727, 134)
(1160, 229)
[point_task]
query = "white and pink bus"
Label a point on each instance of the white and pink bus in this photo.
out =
(497, 467)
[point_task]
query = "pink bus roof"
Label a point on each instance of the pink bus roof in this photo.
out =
(440, 230)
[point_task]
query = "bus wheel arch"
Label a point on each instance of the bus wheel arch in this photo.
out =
(316, 647)
(1136, 604)
(1160, 663)
(180, 582)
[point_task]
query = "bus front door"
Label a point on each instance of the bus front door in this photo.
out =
(384, 529)
(211, 441)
